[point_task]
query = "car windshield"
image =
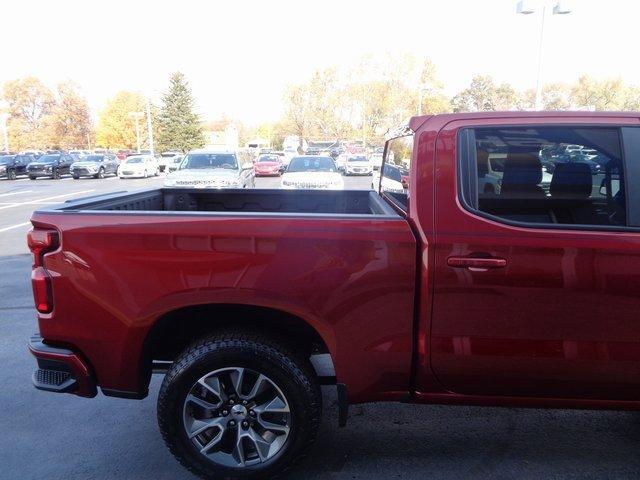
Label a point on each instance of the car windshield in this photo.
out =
(92, 158)
(268, 158)
(211, 160)
(392, 172)
(358, 159)
(134, 160)
(6, 159)
(49, 158)
(311, 164)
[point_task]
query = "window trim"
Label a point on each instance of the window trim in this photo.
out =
(466, 168)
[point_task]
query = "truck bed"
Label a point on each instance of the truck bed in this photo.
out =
(240, 201)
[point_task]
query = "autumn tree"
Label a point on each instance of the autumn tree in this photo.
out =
(179, 126)
(297, 108)
(70, 120)
(116, 127)
(484, 95)
(431, 91)
(30, 103)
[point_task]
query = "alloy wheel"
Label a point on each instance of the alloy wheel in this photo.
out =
(237, 417)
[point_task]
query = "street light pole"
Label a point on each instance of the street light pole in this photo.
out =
(137, 116)
(524, 7)
(540, 53)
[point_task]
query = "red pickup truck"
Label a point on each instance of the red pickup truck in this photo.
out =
(507, 273)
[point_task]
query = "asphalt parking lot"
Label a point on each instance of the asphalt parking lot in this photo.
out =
(64, 437)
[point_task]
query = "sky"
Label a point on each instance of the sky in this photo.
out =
(239, 55)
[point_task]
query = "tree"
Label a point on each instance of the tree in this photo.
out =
(30, 102)
(179, 128)
(484, 95)
(116, 127)
(70, 122)
(433, 100)
(297, 108)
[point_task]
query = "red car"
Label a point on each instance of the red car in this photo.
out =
(267, 165)
(526, 294)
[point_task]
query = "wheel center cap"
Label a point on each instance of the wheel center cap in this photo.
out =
(239, 411)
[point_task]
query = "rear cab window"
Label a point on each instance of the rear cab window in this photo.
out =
(394, 181)
(562, 176)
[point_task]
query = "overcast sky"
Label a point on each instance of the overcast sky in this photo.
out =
(239, 55)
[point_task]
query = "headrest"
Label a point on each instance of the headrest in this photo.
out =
(522, 170)
(571, 180)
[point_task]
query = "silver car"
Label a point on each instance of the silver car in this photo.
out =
(211, 169)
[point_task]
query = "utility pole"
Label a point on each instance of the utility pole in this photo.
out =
(137, 116)
(150, 126)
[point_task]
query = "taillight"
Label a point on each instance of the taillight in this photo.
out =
(42, 294)
(40, 242)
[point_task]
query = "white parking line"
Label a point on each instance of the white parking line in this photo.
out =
(39, 200)
(14, 226)
(15, 193)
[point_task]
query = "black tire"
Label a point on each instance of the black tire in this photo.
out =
(100, 173)
(56, 174)
(76, 177)
(31, 177)
(11, 174)
(291, 372)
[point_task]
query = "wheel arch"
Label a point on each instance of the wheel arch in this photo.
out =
(176, 329)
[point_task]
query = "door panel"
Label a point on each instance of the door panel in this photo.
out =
(558, 318)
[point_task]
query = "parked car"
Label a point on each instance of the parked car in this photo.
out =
(341, 161)
(11, 166)
(96, 166)
(358, 165)
(138, 166)
(391, 179)
(376, 160)
(310, 172)
(212, 169)
(312, 151)
(249, 300)
(167, 158)
(268, 165)
(52, 165)
(34, 153)
(174, 164)
(289, 153)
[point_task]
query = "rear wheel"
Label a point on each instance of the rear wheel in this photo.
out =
(76, 177)
(56, 174)
(239, 405)
(11, 174)
(100, 173)
(145, 174)
(31, 177)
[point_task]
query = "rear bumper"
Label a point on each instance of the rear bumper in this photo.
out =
(61, 370)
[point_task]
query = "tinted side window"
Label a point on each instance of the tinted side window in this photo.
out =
(557, 175)
(395, 171)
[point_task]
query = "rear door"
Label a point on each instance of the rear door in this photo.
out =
(537, 282)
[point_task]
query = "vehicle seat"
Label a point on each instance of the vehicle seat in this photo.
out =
(522, 176)
(570, 190)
